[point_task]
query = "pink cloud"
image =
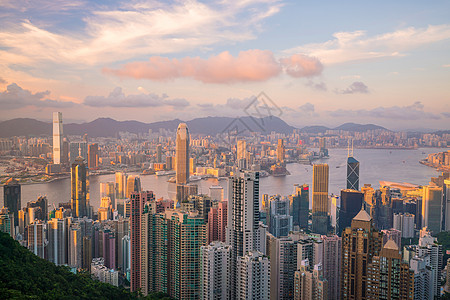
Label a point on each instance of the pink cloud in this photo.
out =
(299, 65)
(248, 66)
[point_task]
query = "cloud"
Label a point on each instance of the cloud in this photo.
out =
(356, 87)
(307, 107)
(118, 99)
(299, 65)
(414, 111)
(357, 45)
(123, 31)
(177, 102)
(43, 6)
(2, 80)
(248, 66)
(320, 86)
(15, 97)
(236, 103)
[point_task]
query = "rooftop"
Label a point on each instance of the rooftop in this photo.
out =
(362, 216)
(391, 244)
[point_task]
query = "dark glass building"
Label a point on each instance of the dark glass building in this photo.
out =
(12, 198)
(352, 173)
(300, 206)
(351, 204)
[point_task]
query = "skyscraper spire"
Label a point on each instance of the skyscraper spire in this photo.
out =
(349, 152)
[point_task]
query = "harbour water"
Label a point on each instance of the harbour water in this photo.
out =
(375, 165)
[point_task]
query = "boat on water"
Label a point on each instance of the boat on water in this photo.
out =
(165, 173)
(148, 172)
(193, 178)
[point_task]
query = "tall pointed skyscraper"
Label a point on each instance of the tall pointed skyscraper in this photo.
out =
(352, 171)
(57, 137)
(182, 154)
(79, 189)
(360, 243)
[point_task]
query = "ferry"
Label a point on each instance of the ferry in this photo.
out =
(193, 178)
(165, 173)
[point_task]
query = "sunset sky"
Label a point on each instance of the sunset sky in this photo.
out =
(321, 62)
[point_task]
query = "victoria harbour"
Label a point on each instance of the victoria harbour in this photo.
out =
(376, 164)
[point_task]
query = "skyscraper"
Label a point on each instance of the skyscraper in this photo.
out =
(243, 232)
(431, 251)
(332, 264)
(57, 137)
(280, 220)
(299, 207)
(120, 184)
(133, 185)
(388, 276)
(5, 222)
(241, 150)
(56, 236)
(309, 283)
(352, 171)
(137, 208)
(187, 233)
(182, 154)
(93, 156)
(351, 204)
(432, 208)
(215, 267)
(107, 190)
(281, 150)
(213, 230)
(253, 277)
(370, 202)
(282, 253)
(320, 218)
(12, 198)
(36, 238)
(159, 154)
(222, 220)
(360, 243)
(79, 189)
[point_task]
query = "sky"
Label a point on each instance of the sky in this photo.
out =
(315, 62)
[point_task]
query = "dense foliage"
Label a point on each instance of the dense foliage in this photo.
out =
(23, 275)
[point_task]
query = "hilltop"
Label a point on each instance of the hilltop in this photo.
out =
(107, 127)
(27, 276)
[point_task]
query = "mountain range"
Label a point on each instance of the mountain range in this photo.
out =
(107, 127)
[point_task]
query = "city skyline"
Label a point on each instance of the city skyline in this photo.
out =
(320, 64)
(193, 149)
(150, 243)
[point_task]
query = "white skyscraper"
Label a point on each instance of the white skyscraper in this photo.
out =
(215, 266)
(244, 232)
(428, 247)
(56, 235)
(253, 277)
(182, 154)
(57, 137)
(404, 223)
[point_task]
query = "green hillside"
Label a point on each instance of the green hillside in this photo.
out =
(23, 275)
